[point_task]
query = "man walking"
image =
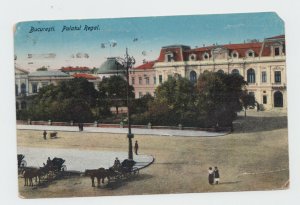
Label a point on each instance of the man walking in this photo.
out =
(45, 135)
(136, 147)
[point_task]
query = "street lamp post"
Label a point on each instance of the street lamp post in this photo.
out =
(127, 62)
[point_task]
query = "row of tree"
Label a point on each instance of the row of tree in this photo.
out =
(213, 100)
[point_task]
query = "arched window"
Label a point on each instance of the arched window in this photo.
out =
(234, 54)
(206, 71)
(23, 105)
(192, 57)
(193, 76)
(23, 88)
(250, 76)
(220, 71)
(250, 54)
(205, 56)
(235, 72)
(278, 99)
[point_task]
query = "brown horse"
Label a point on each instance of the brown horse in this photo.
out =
(30, 173)
(100, 174)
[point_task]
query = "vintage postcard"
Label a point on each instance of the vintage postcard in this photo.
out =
(151, 105)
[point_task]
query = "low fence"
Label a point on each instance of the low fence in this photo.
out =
(106, 125)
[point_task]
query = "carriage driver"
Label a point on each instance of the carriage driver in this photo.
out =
(117, 163)
(49, 163)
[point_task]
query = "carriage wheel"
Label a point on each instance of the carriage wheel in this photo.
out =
(23, 163)
(63, 168)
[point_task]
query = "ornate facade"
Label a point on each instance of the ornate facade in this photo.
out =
(262, 64)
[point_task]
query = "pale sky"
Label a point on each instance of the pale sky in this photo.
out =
(54, 47)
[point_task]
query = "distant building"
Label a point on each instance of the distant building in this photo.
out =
(39, 79)
(143, 79)
(21, 88)
(262, 64)
(109, 68)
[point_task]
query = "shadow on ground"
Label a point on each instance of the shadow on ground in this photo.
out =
(115, 184)
(258, 124)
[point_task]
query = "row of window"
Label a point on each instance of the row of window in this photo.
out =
(33, 85)
(278, 98)
(250, 75)
(140, 80)
(234, 54)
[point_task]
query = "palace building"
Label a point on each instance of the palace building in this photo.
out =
(262, 64)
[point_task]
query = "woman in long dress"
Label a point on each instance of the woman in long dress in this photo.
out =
(210, 175)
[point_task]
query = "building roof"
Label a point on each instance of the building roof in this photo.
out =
(276, 37)
(72, 69)
(21, 70)
(86, 76)
(182, 53)
(110, 66)
(49, 73)
(145, 66)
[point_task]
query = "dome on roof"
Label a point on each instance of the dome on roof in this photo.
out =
(111, 66)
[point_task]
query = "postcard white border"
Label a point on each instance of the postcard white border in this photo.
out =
(13, 11)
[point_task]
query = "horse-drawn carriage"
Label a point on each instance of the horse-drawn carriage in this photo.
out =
(117, 172)
(51, 170)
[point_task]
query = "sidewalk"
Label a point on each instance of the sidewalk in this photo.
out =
(138, 131)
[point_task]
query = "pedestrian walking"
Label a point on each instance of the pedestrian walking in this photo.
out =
(136, 147)
(210, 176)
(216, 175)
(45, 135)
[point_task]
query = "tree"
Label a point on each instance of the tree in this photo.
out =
(218, 97)
(113, 91)
(43, 68)
(71, 100)
(174, 99)
(142, 104)
(247, 100)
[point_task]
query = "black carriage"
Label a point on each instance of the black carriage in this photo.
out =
(56, 165)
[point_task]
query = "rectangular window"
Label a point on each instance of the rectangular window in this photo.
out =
(277, 76)
(264, 99)
(251, 93)
(147, 93)
(169, 77)
(132, 81)
(34, 88)
(140, 94)
(264, 77)
(140, 80)
(147, 81)
(170, 58)
(154, 80)
(277, 51)
(160, 79)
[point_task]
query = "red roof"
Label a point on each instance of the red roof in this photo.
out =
(69, 68)
(146, 66)
(84, 75)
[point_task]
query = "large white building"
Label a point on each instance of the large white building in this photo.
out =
(262, 64)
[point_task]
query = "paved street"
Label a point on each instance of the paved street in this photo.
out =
(79, 160)
(161, 132)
